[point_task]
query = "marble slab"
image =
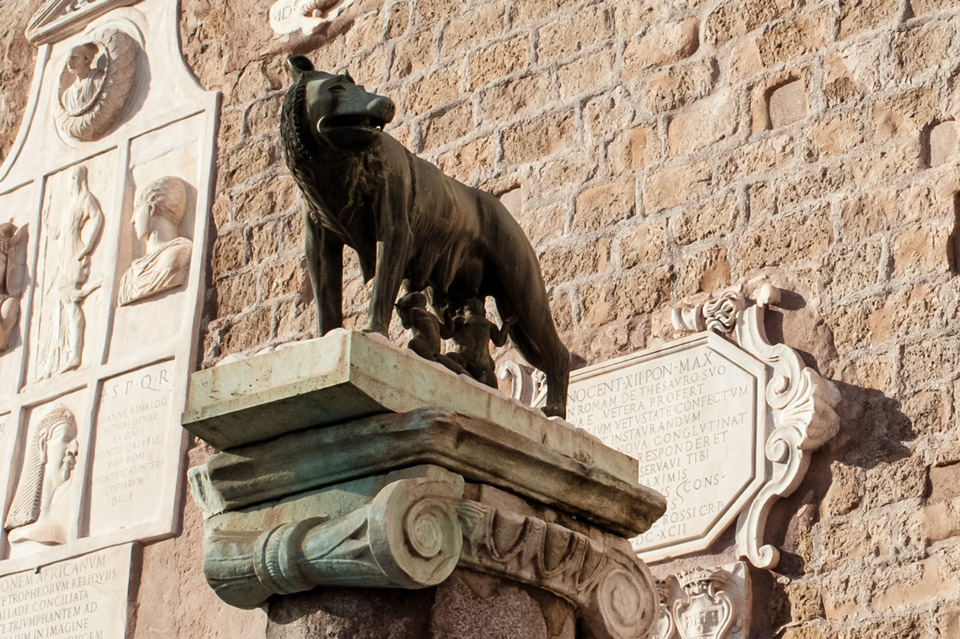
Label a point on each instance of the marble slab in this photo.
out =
(348, 375)
(691, 412)
(81, 598)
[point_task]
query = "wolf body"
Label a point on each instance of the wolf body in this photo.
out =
(408, 222)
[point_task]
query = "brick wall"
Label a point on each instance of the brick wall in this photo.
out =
(654, 152)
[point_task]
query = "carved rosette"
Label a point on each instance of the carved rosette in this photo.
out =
(95, 83)
(414, 533)
(801, 404)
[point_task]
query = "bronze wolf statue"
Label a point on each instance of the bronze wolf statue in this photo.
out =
(408, 223)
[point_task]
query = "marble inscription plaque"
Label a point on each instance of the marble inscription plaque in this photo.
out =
(688, 412)
(82, 598)
(129, 459)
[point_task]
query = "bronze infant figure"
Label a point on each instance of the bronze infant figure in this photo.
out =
(408, 222)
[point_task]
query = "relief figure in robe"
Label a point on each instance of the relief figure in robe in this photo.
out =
(74, 240)
(86, 67)
(11, 238)
(51, 457)
(158, 211)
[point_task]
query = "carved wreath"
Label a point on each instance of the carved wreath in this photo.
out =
(95, 84)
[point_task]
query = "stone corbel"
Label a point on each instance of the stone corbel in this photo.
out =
(801, 403)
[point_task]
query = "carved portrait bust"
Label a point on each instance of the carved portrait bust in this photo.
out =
(95, 81)
(158, 211)
(50, 459)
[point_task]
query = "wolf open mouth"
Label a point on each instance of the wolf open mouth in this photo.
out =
(351, 122)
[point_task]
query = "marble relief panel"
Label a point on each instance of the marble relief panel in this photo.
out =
(16, 213)
(103, 207)
(69, 300)
(44, 507)
(155, 250)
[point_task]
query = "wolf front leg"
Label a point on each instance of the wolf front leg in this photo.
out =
(325, 266)
(394, 242)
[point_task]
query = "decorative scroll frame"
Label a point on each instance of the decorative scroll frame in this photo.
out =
(801, 406)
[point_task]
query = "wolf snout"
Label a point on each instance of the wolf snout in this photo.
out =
(382, 108)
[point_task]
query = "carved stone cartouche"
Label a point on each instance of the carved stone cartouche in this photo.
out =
(406, 221)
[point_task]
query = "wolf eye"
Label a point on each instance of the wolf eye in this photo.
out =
(337, 88)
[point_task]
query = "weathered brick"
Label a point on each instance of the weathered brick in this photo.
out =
(761, 156)
(586, 75)
(862, 15)
(632, 150)
(713, 219)
(465, 31)
(608, 114)
(671, 186)
(836, 135)
(642, 243)
(919, 49)
(570, 262)
(566, 172)
(705, 123)
(665, 44)
(677, 85)
(412, 55)
(604, 205)
(795, 37)
(539, 137)
(900, 585)
(790, 238)
(736, 18)
(469, 160)
(445, 127)
(516, 96)
(706, 270)
(433, 91)
(498, 60)
(574, 32)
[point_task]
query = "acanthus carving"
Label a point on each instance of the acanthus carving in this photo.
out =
(801, 404)
(95, 83)
(11, 268)
(610, 587)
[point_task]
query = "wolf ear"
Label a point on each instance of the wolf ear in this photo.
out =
(299, 65)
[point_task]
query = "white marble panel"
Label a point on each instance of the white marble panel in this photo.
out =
(688, 412)
(129, 455)
(82, 598)
(170, 152)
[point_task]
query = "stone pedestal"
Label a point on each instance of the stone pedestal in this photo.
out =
(426, 506)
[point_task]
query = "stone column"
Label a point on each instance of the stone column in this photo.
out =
(444, 514)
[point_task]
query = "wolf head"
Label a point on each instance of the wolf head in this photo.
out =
(341, 114)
